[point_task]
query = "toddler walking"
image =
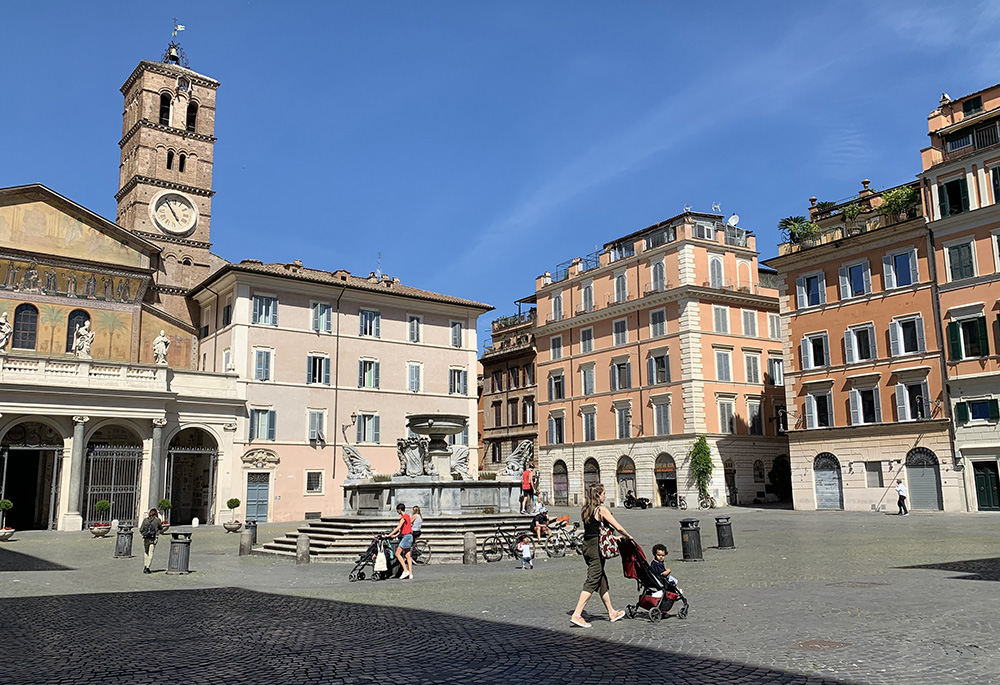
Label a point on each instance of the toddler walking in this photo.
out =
(526, 552)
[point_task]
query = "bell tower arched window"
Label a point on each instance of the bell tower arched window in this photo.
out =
(165, 109)
(25, 327)
(77, 317)
(170, 159)
(192, 116)
(181, 163)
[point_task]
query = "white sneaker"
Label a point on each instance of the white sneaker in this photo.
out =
(404, 576)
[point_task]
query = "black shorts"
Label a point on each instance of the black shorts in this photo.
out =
(527, 493)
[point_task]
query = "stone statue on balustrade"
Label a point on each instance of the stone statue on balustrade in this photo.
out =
(358, 468)
(460, 463)
(160, 345)
(518, 459)
(414, 459)
(82, 339)
(6, 331)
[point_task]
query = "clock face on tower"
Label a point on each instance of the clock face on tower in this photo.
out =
(174, 213)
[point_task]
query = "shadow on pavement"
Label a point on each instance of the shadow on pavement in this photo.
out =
(15, 561)
(975, 569)
(239, 636)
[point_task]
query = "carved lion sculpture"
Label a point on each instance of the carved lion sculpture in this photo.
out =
(518, 459)
(460, 462)
(358, 468)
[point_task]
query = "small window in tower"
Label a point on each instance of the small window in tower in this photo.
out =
(187, 261)
(165, 109)
(192, 115)
(180, 163)
(170, 159)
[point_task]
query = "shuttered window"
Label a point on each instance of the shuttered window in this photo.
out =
(265, 310)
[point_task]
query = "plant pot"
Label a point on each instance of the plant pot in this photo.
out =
(164, 526)
(100, 531)
(6, 534)
(232, 526)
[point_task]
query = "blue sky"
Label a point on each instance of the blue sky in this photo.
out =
(477, 145)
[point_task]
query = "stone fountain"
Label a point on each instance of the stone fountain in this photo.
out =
(432, 475)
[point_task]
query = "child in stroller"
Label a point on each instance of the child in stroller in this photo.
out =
(379, 556)
(657, 594)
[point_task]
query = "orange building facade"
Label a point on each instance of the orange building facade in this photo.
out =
(664, 335)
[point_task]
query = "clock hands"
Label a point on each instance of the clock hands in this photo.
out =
(170, 206)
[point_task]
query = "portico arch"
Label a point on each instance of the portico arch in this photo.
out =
(192, 462)
(31, 453)
(625, 477)
(112, 471)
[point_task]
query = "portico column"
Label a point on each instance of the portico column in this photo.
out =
(156, 465)
(76, 468)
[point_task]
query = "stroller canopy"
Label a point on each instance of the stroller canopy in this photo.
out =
(635, 566)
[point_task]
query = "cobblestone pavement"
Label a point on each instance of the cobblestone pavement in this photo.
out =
(807, 597)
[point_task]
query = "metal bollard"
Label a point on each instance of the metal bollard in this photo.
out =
(251, 527)
(180, 553)
(470, 549)
(123, 545)
(724, 529)
(246, 543)
(302, 550)
(691, 540)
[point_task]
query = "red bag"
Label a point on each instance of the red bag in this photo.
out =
(608, 543)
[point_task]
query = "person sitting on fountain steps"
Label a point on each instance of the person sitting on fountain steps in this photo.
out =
(405, 528)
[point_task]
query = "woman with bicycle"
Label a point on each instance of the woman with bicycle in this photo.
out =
(594, 514)
(405, 529)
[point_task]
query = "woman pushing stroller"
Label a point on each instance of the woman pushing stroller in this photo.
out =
(594, 514)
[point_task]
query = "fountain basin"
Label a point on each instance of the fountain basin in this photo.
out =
(434, 497)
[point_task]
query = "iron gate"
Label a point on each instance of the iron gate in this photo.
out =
(113, 473)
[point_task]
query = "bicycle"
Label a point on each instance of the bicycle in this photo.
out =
(420, 553)
(497, 544)
(677, 502)
(562, 539)
(706, 502)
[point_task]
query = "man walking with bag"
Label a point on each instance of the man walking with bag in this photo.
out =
(149, 530)
(901, 502)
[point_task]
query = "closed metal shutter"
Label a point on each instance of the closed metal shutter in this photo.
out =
(924, 486)
(829, 494)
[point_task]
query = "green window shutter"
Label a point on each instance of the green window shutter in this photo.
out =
(943, 201)
(963, 187)
(962, 412)
(954, 341)
(984, 337)
(994, 410)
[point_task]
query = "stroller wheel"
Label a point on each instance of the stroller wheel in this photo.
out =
(683, 613)
(654, 615)
(361, 575)
(353, 577)
(630, 611)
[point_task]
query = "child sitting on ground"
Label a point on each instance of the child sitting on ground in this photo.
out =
(524, 544)
(658, 566)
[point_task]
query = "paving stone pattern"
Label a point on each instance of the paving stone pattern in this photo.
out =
(807, 597)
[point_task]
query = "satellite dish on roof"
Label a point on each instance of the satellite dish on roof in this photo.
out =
(733, 220)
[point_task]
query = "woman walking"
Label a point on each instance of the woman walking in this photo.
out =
(416, 523)
(404, 552)
(594, 513)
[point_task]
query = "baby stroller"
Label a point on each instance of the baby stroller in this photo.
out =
(379, 556)
(656, 595)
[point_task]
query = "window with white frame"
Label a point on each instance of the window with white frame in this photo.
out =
(555, 347)
(557, 307)
(658, 277)
(703, 230)
(720, 319)
(413, 373)
(322, 317)
(316, 428)
(621, 375)
(754, 418)
(913, 403)
(620, 329)
(968, 338)
(262, 364)
(715, 272)
(317, 369)
(456, 333)
(953, 197)
(750, 323)
(556, 433)
(855, 280)
(262, 424)
(265, 310)
(752, 364)
(368, 429)
(727, 416)
(227, 359)
(810, 290)
(621, 251)
(587, 379)
(819, 409)
(623, 422)
(657, 323)
(528, 410)
(458, 382)
(589, 418)
(621, 288)
(368, 373)
(900, 269)
(661, 417)
(774, 326)
(961, 260)
(659, 368)
(906, 335)
(775, 371)
(977, 410)
(557, 386)
(413, 328)
(866, 405)
(586, 340)
(314, 482)
(588, 298)
(859, 343)
(723, 365)
(815, 351)
(370, 323)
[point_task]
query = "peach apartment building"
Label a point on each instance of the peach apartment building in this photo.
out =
(961, 188)
(865, 387)
(667, 334)
(327, 358)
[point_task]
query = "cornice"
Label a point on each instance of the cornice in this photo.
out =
(163, 238)
(183, 133)
(167, 70)
(168, 289)
(169, 185)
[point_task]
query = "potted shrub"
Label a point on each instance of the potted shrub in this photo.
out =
(100, 528)
(232, 525)
(5, 532)
(164, 506)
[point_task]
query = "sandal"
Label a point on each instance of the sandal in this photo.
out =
(578, 621)
(618, 616)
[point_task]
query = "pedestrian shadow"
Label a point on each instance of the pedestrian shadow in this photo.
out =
(16, 561)
(235, 635)
(974, 569)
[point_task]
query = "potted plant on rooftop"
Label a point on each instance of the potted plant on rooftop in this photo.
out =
(5, 532)
(101, 528)
(164, 506)
(232, 525)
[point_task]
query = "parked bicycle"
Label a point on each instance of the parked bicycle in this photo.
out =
(500, 543)
(706, 502)
(677, 501)
(562, 539)
(421, 553)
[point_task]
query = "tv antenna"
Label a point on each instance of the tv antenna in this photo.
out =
(733, 220)
(378, 267)
(716, 207)
(687, 208)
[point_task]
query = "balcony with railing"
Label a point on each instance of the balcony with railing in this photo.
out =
(862, 223)
(515, 321)
(653, 288)
(508, 344)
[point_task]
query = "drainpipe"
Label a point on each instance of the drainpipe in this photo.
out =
(215, 334)
(336, 388)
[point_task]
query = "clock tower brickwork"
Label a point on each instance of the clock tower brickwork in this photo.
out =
(165, 176)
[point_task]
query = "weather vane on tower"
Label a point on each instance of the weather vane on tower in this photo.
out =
(175, 54)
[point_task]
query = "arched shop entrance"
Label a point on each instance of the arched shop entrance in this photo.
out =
(112, 472)
(625, 477)
(729, 470)
(923, 478)
(666, 478)
(591, 474)
(829, 482)
(560, 484)
(191, 464)
(30, 470)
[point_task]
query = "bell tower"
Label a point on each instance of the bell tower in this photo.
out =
(165, 175)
